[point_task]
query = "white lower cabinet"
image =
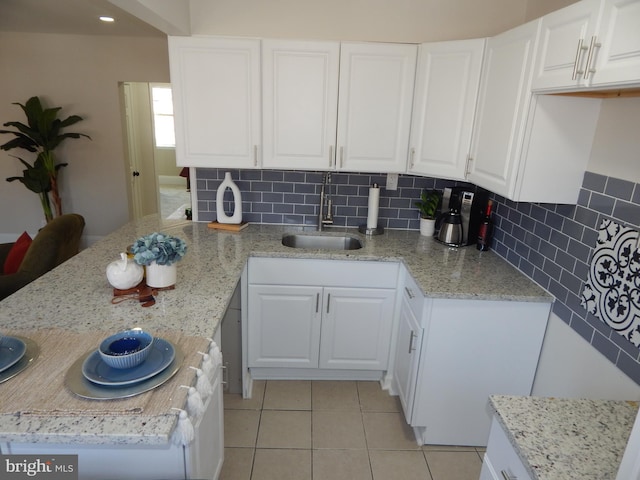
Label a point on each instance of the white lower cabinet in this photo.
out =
(501, 460)
(356, 328)
(205, 455)
(407, 357)
(300, 316)
(201, 460)
(284, 328)
(451, 354)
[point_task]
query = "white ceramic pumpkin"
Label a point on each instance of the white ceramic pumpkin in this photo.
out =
(124, 273)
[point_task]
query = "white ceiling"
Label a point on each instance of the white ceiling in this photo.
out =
(70, 17)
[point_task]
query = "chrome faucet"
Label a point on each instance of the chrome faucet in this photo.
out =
(325, 194)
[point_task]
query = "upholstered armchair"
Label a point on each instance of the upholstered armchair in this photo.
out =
(55, 243)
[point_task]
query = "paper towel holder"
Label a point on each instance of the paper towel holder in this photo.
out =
(370, 231)
(377, 230)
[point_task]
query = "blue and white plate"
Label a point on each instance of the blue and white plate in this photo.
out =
(11, 351)
(95, 370)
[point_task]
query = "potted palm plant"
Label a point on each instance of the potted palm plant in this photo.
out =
(428, 206)
(42, 134)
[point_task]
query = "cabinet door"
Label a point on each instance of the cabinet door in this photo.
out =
(284, 326)
(446, 91)
(356, 327)
(374, 111)
(618, 57)
(407, 357)
(505, 95)
(216, 94)
(564, 43)
(206, 453)
(300, 104)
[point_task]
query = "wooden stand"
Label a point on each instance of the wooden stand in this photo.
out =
(229, 227)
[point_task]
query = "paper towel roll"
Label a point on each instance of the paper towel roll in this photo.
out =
(374, 202)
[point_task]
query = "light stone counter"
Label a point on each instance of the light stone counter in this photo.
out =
(567, 439)
(76, 296)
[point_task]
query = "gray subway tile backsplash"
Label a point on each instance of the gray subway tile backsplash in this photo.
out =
(551, 244)
(567, 236)
(292, 197)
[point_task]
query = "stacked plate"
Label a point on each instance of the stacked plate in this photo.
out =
(91, 377)
(96, 370)
(16, 354)
(12, 350)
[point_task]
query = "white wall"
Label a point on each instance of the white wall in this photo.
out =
(570, 367)
(80, 74)
(616, 144)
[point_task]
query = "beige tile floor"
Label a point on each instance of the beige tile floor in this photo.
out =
(332, 430)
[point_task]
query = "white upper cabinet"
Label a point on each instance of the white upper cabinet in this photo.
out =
(216, 94)
(502, 106)
(300, 104)
(528, 148)
(591, 43)
(446, 91)
(618, 59)
(374, 110)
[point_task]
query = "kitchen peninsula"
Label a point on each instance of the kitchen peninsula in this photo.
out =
(75, 299)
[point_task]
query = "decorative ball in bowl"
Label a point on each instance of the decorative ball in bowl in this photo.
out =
(126, 349)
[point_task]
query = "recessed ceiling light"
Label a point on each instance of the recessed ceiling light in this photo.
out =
(104, 18)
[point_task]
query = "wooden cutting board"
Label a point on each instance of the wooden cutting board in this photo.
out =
(230, 227)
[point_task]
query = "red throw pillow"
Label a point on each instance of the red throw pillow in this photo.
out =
(16, 254)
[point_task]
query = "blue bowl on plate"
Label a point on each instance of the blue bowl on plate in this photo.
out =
(126, 349)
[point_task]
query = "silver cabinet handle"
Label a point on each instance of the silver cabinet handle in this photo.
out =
(341, 156)
(317, 301)
(507, 476)
(412, 335)
(225, 376)
(328, 301)
(467, 168)
(330, 156)
(409, 292)
(412, 158)
(589, 67)
(255, 155)
(576, 63)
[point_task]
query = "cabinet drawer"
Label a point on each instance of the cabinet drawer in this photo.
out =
(328, 273)
(413, 295)
(503, 461)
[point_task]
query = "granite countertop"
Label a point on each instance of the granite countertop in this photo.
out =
(567, 439)
(77, 297)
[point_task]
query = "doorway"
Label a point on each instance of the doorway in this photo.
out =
(155, 184)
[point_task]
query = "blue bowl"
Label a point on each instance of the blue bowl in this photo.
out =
(126, 349)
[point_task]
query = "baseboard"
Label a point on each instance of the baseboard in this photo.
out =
(314, 374)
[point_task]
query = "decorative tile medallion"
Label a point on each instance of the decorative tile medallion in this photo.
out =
(612, 291)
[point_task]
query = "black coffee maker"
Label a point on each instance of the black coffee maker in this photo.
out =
(470, 204)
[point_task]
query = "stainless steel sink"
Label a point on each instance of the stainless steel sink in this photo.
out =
(322, 242)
